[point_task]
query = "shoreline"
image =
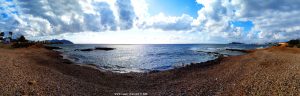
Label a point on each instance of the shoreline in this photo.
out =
(95, 66)
(39, 71)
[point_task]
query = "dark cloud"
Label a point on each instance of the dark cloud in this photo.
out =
(126, 14)
(104, 21)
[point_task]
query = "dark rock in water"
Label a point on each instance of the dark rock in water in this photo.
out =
(51, 47)
(239, 50)
(66, 61)
(213, 53)
(236, 43)
(104, 48)
(117, 66)
(83, 50)
(154, 71)
(97, 48)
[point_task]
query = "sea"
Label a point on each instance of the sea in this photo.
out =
(148, 57)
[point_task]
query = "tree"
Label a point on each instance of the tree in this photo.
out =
(10, 33)
(22, 39)
(1, 35)
(295, 42)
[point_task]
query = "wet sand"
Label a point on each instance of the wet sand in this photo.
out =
(38, 71)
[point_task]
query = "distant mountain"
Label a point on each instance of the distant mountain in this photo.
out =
(63, 41)
(236, 43)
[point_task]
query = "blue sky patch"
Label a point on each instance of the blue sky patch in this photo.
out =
(174, 8)
(3, 15)
(246, 25)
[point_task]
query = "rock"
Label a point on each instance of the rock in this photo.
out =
(33, 93)
(236, 43)
(32, 82)
(51, 47)
(83, 50)
(104, 48)
(66, 61)
(97, 48)
(20, 93)
(239, 50)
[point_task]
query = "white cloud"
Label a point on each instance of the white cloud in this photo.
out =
(168, 23)
(133, 36)
(273, 20)
(70, 16)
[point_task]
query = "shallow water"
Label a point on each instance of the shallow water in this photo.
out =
(141, 58)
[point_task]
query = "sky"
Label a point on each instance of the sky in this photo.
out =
(153, 21)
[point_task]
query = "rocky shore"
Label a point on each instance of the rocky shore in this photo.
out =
(38, 71)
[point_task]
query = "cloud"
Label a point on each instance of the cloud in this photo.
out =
(168, 23)
(273, 20)
(101, 21)
(50, 17)
(126, 13)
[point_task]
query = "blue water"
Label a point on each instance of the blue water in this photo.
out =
(141, 58)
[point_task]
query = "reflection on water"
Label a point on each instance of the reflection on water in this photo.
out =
(148, 57)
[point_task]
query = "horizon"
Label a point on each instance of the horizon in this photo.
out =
(153, 21)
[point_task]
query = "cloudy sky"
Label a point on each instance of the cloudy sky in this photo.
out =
(153, 21)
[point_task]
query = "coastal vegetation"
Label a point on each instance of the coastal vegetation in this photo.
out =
(294, 43)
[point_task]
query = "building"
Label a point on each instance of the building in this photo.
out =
(6, 38)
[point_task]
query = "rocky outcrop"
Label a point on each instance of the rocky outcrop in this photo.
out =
(97, 48)
(51, 47)
(83, 49)
(104, 48)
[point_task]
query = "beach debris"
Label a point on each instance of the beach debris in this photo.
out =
(32, 82)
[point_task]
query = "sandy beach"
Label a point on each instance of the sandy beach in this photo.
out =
(38, 71)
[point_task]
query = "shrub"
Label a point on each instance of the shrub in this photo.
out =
(22, 39)
(21, 44)
(295, 42)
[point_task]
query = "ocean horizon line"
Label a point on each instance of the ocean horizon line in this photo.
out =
(154, 43)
